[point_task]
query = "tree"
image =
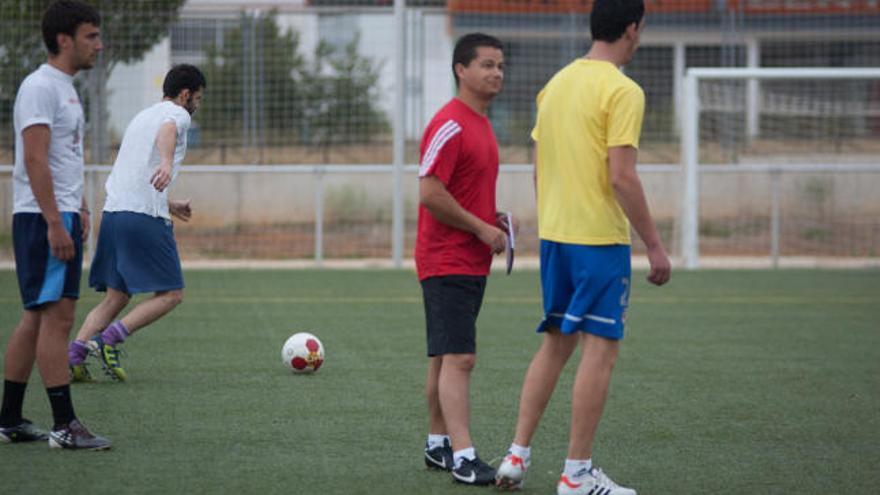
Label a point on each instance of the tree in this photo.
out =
(252, 75)
(263, 92)
(341, 97)
(130, 28)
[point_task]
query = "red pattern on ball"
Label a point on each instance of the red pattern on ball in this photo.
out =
(312, 345)
(298, 363)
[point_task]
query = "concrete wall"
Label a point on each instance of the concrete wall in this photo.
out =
(222, 199)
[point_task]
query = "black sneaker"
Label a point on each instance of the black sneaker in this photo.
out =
(75, 436)
(23, 432)
(439, 457)
(474, 472)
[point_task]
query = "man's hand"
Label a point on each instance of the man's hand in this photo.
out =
(161, 177)
(180, 209)
(60, 242)
(494, 237)
(85, 220)
(661, 269)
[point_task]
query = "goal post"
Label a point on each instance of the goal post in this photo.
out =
(723, 131)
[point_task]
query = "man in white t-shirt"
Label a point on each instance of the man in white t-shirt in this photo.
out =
(49, 223)
(136, 250)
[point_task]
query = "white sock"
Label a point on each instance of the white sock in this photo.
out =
(524, 453)
(468, 453)
(435, 440)
(572, 466)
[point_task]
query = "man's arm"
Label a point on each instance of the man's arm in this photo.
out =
(85, 219)
(434, 196)
(36, 162)
(628, 190)
(166, 140)
(180, 209)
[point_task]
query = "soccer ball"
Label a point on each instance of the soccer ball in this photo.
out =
(303, 353)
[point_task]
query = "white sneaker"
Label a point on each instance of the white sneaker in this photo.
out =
(511, 472)
(592, 482)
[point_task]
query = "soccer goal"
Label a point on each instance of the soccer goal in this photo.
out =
(780, 163)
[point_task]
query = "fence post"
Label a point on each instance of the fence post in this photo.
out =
(397, 224)
(775, 200)
(319, 215)
(690, 249)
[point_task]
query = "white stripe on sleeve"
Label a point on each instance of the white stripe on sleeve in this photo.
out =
(446, 132)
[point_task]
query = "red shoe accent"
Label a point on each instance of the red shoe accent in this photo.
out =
(567, 483)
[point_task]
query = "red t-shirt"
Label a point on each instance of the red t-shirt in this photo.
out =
(459, 149)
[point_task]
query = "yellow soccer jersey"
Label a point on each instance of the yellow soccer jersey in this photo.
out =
(587, 107)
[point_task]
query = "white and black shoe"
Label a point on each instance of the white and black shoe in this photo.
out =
(590, 482)
(439, 457)
(474, 472)
(75, 435)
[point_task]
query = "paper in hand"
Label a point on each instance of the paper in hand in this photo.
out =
(511, 241)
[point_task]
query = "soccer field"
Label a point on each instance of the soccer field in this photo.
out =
(727, 382)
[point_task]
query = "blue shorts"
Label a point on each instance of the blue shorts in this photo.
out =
(585, 288)
(43, 278)
(135, 253)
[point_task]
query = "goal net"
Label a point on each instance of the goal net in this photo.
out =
(780, 163)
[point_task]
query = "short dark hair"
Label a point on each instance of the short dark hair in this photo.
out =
(64, 17)
(183, 76)
(466, 49)
(610, 18)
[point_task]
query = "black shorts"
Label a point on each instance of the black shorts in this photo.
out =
(452, 304)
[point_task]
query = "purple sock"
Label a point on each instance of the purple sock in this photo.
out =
(77, 352)
(115, 333)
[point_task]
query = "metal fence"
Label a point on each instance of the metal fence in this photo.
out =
(314, 107)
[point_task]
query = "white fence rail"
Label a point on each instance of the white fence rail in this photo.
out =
(308, 197)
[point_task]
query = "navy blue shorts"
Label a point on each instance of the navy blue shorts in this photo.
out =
(585, 288)
(43, 278)
(452, 304)
(135, 253)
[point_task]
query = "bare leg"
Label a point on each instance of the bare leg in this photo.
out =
(454, 393)
(152, 309)
(436, 423)
(589, 393)
(56, 320)
(540, 381)
(21, 350)
(103, 314)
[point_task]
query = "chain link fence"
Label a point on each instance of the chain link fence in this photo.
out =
(298, 119)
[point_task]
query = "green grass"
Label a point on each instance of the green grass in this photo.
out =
(728, 382)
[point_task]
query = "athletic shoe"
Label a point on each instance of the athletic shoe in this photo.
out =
(474, 472)
(74, 435)
(23, 432)
(439, 457)
(108, 356)
(590, 481)
(80, 373)
(511, 472)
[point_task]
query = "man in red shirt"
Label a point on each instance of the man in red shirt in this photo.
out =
(458, 232)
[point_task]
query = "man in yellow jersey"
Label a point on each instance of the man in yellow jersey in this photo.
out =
(588, 193)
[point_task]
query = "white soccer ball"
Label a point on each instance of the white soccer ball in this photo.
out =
(303, 353)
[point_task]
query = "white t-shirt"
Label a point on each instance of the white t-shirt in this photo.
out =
(128, 187)
(47, 97)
